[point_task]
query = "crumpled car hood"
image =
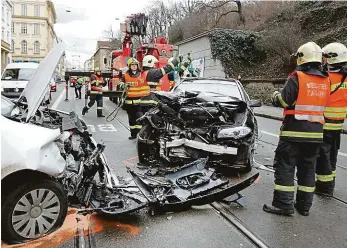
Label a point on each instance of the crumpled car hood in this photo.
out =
(27, 146)
(36, 88)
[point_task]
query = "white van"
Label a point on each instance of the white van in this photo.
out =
(15, 78)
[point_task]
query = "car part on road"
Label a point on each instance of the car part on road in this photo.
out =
(192, 184)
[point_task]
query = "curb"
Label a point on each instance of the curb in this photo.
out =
(344, 131)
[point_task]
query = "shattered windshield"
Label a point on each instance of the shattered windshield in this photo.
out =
(229, 88)
(19, 74)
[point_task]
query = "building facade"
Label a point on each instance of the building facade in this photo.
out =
(199, 48)
(6, 20)
(89, 65)
(33, 34)
(102, 56)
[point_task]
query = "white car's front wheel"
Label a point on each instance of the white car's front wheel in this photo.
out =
(32, 210)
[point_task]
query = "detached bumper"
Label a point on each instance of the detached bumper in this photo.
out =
(179, 198)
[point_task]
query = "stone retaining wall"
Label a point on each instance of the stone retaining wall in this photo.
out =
(262, 91)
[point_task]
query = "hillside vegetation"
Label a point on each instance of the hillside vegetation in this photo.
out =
(257, 39)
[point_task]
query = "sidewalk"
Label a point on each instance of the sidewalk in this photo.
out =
(276, 114)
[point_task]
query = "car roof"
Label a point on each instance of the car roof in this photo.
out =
(222, 80)
(22, 65)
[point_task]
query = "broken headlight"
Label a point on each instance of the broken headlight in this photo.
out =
(234, 132)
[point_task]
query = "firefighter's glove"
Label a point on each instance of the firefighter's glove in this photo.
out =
(274, 98)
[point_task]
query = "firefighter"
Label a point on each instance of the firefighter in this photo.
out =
(136, 88)
(335, 114)
(153, 75)
(304, 97)
(96, 83)
(177, 73)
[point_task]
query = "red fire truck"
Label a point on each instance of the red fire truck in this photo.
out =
(136, 25)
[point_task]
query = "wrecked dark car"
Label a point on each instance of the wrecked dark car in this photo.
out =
(196, 146)
(48, 162)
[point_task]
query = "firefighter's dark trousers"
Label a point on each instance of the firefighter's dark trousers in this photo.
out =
(326, 162)
(134, 112)
(289, 155)
(99, 103)
(78, 92)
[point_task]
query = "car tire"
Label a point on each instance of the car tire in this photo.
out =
(17, 203)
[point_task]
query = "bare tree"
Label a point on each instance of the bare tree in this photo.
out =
(115, 36)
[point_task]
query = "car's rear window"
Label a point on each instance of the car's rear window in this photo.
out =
(222, 87)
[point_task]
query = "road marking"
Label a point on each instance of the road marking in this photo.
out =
(56, 103)
(276, 135)
(102, 128)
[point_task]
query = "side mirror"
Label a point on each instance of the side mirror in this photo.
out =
(255, 103)
(8, 78)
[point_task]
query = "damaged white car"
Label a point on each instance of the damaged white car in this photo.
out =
(48, 161)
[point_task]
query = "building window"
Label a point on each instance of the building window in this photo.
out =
(12, 27)
(24, 28)
(8, 36)
(3, 13)
(24, 9)
(37, 10)
(12, 45)
(24, 46)
(8, 16)
(36, 47)
(36, 29)
(3, 32)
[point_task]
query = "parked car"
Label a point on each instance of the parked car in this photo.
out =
(16, 77)
(48, 160)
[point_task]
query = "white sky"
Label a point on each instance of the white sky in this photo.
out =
(84, 25)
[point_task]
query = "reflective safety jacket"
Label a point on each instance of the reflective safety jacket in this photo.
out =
(96, 83)
(156, 77)
(336, 109)
(304, 98)
(137, 88)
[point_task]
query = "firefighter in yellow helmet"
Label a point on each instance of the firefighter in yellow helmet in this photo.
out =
(96, 83)
(136, 89)
(335, 113)
(304, 97)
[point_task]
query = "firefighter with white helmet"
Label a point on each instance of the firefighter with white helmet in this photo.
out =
(335, 55)
(304, 97)
(153, 75)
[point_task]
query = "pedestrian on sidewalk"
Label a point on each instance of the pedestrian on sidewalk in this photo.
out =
(78, 87)
(304, 97)
(335, 114)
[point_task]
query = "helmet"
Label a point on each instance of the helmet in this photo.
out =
(97, 69)
(149, 61)
(309, 52)
(132, 61)
(335, 53)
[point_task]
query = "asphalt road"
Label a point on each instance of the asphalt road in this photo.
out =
(204, 226)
